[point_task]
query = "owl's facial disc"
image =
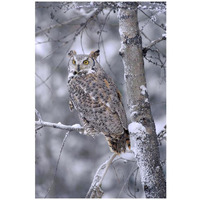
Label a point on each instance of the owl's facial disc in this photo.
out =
(81, 63)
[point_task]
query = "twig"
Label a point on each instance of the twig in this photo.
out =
(153, 43)
(43, 82)
(56, 68)
(81, 38)
(101, 30)
(84, 25)
(164, 28)
(56, 25)
(95, 190)
(39, 119)
(38, 115)
(61, 149)
(55, 49)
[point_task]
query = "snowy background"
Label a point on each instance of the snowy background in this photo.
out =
(82, 155)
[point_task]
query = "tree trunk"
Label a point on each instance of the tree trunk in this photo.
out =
(142, 128)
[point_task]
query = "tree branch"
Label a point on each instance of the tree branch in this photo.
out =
(41, 124)
(56, 25)
(61, 149)
(161, 26)
(153, 43)
(95, 190)
(75, 127)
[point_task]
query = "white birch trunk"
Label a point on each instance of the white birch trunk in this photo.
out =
(143, 138)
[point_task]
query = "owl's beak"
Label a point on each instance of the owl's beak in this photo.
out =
(78, 68)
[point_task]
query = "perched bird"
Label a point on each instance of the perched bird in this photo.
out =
(98, 101)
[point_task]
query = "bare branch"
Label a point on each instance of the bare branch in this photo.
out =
(95, 190)
(38, 115)
(84, 25)
(56, 25)
(102, 27)
(39, 119)
(55, 69)
(43, 82)
(161, 26)
(153, 43)
(61, 149)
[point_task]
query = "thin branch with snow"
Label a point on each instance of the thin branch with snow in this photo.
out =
(76, 127)
(40, 123)
(95, 190)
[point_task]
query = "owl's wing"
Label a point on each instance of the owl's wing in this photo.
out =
(121, 111)
(115, 101)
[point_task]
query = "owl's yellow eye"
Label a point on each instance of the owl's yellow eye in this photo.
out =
(85, 62)
(74, 62)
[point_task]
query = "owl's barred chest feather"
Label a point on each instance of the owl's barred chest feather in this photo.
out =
(95, 96)
(98, 102)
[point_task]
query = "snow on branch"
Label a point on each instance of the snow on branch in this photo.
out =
(66, 6)
(75, 127)
(40, 124)
(95, 190)
(112, 5)
(154, 6)
(136, 127)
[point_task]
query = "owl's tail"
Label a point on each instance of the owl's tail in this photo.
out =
(118, 143)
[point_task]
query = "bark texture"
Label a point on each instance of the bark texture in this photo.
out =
(144, 140)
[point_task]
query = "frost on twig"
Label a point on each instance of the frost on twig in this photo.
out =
(76, 127)
(40, 124)
(38, 115)
(95, 190)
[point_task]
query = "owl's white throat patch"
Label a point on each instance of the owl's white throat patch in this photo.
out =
(90, 71)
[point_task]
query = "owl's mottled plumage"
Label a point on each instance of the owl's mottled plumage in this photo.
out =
(98, 101)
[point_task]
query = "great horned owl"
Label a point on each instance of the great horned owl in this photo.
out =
(98, 101)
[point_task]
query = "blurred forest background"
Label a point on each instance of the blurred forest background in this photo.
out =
(61, 27)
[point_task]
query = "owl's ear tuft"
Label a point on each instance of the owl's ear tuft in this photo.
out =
(94, 54)
(72, 53)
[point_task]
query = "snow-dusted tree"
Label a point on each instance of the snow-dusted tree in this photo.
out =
(142, 128)
(144, 139)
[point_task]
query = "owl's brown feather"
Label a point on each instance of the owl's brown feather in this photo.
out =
(97, 99)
